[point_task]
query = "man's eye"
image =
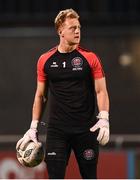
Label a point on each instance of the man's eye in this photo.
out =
(72, 28)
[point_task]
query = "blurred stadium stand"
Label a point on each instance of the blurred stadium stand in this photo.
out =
(110, 28)
(42, 12)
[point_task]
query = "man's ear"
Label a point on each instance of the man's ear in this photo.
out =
(60, 32)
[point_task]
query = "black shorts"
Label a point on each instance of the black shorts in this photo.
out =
(58, 148)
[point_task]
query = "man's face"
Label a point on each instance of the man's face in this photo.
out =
(70, 31)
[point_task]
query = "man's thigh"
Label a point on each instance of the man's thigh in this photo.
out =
(57, 153)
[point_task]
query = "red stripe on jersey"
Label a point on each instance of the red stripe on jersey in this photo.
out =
(94, 62)
(41, 76)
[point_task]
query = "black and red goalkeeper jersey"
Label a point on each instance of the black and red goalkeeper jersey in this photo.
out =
(70, 78)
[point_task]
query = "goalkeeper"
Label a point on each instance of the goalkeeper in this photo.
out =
(75, 79)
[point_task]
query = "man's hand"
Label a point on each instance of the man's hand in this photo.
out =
(103, 126)
(30, 135)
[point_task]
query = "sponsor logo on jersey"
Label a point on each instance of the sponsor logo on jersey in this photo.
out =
(54, 64)
(77, 63)
(52, 154)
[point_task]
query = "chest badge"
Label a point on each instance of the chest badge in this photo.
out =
(77, 63)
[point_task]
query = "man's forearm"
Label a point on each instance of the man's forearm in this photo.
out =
(103, 101)
(103, 118)
(37, 108)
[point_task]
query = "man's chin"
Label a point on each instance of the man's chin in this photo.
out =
(75, 43)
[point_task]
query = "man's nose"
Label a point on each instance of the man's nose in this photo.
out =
(77, 30)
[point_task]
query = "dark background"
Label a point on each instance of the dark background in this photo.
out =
(111, 28)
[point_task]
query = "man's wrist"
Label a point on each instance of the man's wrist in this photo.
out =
(34, 124)
(103, 115)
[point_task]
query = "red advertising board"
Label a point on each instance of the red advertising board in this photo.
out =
(111, 165)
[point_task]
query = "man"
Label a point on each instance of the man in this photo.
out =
(74, 77)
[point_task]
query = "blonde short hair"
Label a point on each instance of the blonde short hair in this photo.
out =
(62, 15)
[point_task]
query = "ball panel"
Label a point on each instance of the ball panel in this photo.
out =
(32, 155)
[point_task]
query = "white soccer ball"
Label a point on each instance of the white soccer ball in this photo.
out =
(32, 155)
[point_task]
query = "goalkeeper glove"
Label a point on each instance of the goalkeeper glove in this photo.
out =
(30, 135)
(103, 126)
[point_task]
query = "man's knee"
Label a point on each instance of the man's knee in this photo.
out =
(88, 170)
(56, 169)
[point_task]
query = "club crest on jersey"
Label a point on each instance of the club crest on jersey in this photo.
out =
(77, 63)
